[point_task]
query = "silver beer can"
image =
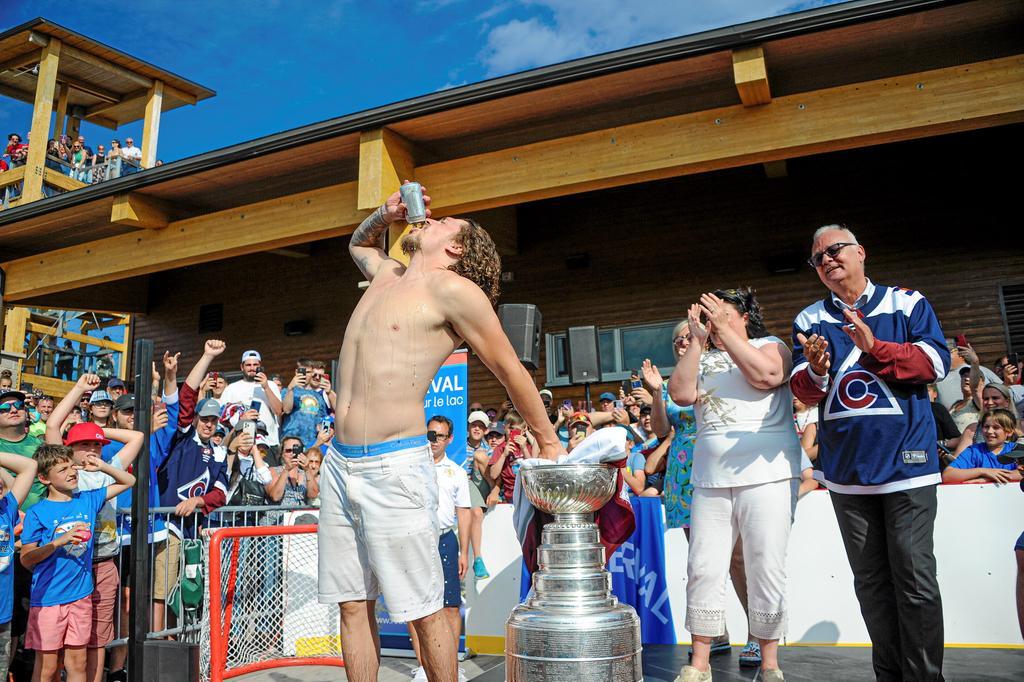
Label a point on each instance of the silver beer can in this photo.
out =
(412, 197)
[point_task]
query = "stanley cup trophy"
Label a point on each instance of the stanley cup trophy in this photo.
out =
(571, 627)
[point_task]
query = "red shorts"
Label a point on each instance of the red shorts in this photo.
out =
(106, 583)
(51, 628)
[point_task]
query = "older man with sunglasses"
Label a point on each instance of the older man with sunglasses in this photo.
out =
(866, 354)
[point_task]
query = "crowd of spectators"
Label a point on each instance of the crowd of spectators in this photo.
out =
(255, 443)
(259, 441)
(75, 158)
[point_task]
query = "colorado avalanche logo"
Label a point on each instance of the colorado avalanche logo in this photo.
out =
(194, 488)
(857, 392)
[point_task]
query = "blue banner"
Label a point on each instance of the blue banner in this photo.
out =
(447, 396)
(638, 573)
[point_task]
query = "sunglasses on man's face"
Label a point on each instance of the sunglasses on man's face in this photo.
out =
(435, 436)
(817, 259)
(13, 406)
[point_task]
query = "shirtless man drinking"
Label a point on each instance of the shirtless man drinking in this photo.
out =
(378, 533)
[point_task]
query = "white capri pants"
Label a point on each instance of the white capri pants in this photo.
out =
(763, 515)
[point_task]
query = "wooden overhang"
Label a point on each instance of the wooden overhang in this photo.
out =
(851, 75)
(102, 85)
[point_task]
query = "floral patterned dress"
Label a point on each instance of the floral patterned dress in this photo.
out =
(678, 489)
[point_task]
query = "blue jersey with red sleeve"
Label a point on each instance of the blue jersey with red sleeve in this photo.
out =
(191, 468)
(876, 432)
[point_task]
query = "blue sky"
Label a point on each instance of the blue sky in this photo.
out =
(279, 64)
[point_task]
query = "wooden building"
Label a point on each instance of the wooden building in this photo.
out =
(618, 187)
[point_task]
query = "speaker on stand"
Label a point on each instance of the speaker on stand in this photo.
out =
(583, 346)
(521, 322)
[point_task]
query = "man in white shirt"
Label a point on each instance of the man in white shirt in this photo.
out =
(255, 385)
(130, 151)
(453, 505)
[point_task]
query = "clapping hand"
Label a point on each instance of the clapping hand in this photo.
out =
(651, 377)
(715, 311)
(861, 334)
(698, 332)
(816, 351)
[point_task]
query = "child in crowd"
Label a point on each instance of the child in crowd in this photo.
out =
(979, 463)
(57, 546)
(87, 439)
(13, 492)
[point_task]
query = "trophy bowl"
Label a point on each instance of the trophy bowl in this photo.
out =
(568, 488)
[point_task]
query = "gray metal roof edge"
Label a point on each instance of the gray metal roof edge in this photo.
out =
(808, 21)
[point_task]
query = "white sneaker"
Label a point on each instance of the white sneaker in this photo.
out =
(462, 675)
(419, 675)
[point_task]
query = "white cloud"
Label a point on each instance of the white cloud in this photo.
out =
(567, 29)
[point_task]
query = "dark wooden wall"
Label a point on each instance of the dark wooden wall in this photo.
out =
(933, 215)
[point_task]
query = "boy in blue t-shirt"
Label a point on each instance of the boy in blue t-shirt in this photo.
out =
(13, 492)
(979, 463)
(57, 546)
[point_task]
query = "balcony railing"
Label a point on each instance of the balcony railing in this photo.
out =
(60, 176)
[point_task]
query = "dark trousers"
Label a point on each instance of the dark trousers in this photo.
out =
(888, 541)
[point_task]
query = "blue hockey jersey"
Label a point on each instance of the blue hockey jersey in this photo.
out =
(876, 433)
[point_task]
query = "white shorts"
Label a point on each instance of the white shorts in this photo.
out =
(378, 530)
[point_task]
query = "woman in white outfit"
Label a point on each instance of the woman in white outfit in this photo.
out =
(746, 469)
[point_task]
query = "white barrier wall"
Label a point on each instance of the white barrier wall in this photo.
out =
(975, 531)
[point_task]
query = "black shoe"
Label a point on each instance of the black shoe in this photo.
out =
(117, 676)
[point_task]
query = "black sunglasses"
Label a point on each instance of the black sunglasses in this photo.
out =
(13, 406)
(434, 436)
(832, 251)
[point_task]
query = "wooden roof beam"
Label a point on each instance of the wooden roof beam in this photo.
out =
(275, 223)
(134, 97)
(751, 75)
(903, 107)
(21, 60)
(89, 89)
(386, 159)
(137, 210)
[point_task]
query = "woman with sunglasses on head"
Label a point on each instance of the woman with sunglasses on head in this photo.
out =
(746, 470)
(993, 396)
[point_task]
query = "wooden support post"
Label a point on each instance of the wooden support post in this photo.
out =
(136, 210)
(74, 124)
(385, 160)
(751, 75)
(62, 112)
(151, 124)
(42, 109)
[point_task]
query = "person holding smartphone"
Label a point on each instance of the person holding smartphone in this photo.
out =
(256, 385)
(304, 405)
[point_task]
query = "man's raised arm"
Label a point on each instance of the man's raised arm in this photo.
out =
(473, 318)
(366, 245)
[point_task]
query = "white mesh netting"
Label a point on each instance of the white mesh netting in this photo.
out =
(268, 608)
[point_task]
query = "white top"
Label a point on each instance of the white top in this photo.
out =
(107, 543)
(132, 152)
(452, 491)
(802, 419)
(245, 392)
(745, 435)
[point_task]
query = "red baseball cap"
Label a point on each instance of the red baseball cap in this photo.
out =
(87, 431)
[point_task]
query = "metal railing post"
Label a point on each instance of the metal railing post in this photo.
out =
(140, 582)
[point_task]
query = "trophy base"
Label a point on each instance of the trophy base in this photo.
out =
(573, 644)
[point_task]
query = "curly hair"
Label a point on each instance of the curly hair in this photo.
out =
(480, 262)
(745, 301)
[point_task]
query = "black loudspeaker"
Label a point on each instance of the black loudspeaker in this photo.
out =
(521, 322)
(168, 661)
(584, 351)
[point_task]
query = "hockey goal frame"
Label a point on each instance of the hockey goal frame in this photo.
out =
(220, 622)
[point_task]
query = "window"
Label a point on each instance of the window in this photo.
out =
(1011, 301)
(622, 349)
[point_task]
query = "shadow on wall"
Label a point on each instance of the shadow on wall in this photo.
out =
(492, 599)
(822, 632)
